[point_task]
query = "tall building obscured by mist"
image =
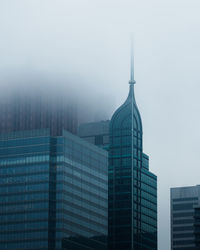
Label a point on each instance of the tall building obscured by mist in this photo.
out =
(185, 218)
(132, 188)
(35, 110)
(54, 192)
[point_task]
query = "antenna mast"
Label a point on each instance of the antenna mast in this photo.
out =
(132, 80)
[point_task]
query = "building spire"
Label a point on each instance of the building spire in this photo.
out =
(132, 80)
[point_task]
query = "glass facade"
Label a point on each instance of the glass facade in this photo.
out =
(132, 189)
(53, 192)
(185, 223)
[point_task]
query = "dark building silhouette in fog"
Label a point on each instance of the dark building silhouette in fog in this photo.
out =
(27, 111)
(54, 192)
(132, 188)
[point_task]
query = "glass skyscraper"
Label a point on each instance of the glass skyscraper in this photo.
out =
(132, 188)
(53, 192)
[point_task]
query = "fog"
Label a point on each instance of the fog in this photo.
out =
(82, 47)
(72, 90)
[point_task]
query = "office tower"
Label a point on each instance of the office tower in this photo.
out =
(132, 188)
(185, 202)
(96, 133)
(27, 110)
(53, 192)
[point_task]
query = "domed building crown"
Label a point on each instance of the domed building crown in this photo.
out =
(127, 116)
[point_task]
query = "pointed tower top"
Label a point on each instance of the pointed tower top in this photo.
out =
(132, 80)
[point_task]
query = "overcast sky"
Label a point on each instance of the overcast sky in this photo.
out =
(86, 43)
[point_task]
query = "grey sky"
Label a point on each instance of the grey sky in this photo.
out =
(87, 42)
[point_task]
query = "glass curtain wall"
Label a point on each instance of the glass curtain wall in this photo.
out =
(54, 192)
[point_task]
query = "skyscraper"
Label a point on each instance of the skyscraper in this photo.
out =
(53, 192)
(132, 188)
(185, 218)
